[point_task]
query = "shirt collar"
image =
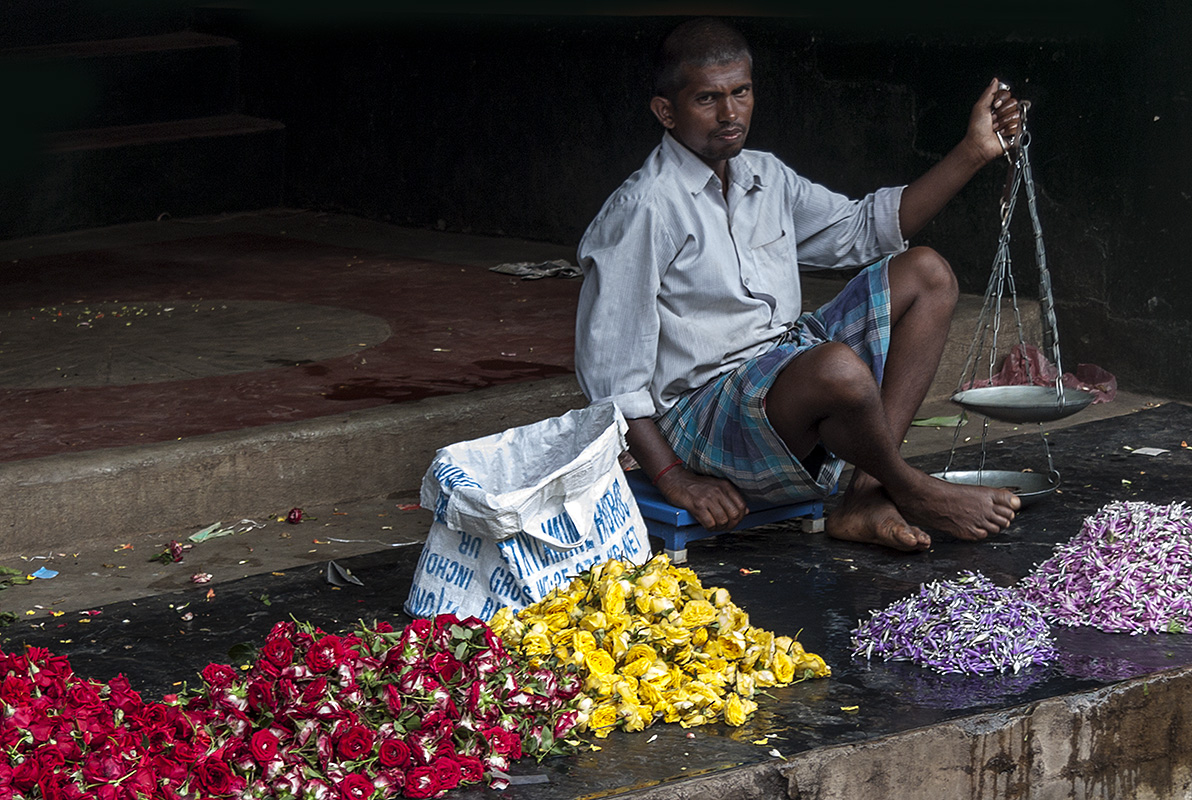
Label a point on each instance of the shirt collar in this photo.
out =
(694, 174)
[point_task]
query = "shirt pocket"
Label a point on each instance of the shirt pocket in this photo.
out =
(773, 259)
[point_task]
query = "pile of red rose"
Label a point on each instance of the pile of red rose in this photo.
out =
(372, 714)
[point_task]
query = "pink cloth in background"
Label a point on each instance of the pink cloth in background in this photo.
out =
(1027, 361)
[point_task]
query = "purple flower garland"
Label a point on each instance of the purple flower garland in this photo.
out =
(1129, 570)
(966, 626)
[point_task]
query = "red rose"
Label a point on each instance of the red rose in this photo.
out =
(260, 697)
(355, 786)
(445, 666)
(219, 676)
(416, 634)
(392, 697)
(188, 752)
(325, 655)
(170, 768)
(565, 723)
(122, 695)
(279, 652)
(355, 743)
(471, 769)
(503, 742)
(449, 772)
(282, 630)
(315, 691)
(101, 768)
(394, 753)
(422, 782)
(16, 689)
(26, 774)
(263, 746)
(215, 777)
(384, 627)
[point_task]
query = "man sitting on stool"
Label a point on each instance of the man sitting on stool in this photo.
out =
(690, 316)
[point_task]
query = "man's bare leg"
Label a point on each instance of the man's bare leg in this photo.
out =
(923, 296)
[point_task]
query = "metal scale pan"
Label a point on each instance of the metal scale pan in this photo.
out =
(1029, 486)
(1023, 403)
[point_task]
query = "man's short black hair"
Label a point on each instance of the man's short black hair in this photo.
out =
(699, 43)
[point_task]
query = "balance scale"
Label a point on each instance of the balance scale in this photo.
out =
(1014, 404)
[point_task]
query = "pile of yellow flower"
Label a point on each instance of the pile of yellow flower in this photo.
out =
(652, 643)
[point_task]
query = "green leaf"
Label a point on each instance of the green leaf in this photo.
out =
(243, 653)
(941, 422)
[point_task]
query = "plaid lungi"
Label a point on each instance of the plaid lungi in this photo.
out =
(721, 429)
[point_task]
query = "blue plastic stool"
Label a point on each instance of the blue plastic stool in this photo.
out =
(676, 527)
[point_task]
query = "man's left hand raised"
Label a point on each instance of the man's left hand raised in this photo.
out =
(996, 112)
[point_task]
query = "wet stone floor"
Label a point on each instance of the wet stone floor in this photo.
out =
(798, 583)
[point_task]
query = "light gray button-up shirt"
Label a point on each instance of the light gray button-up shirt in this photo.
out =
(682, 284)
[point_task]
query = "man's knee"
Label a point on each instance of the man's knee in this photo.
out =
(831, 372)
(924, 273)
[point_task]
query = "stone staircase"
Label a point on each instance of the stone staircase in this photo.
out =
(126, 117)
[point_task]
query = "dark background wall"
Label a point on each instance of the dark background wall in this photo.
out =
(521, 123)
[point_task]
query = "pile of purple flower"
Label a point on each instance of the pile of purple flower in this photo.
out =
(967, 625)
(1129, 570)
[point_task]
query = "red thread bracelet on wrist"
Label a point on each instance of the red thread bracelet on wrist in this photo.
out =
(678, 462)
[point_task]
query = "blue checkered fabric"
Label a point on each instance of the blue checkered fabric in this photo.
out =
(721, 429)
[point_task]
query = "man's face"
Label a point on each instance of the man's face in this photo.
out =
(710, 114)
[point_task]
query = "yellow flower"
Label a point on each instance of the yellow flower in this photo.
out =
(626, 689)
(602, 720)
(612, 599)
(765, 642)
(500, 623)
(737, 710)
(668, 587)
(814, 663)
(593, 622)
(583, 641)
(633, 716)
(734, 712)
(649, 693)
(599, 662)
(600, 686)
(732, 645)
(784, 667)
(535, 644)
(764, 677)
(637, 667)
(662, 606)
(557, 620)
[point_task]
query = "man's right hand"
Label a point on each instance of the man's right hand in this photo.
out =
(714, 502)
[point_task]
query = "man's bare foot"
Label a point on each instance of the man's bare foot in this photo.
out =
(866, 514)
(966, 512)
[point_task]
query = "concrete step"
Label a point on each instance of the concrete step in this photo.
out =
(94, 497)
(109, 175)
(128, 81)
